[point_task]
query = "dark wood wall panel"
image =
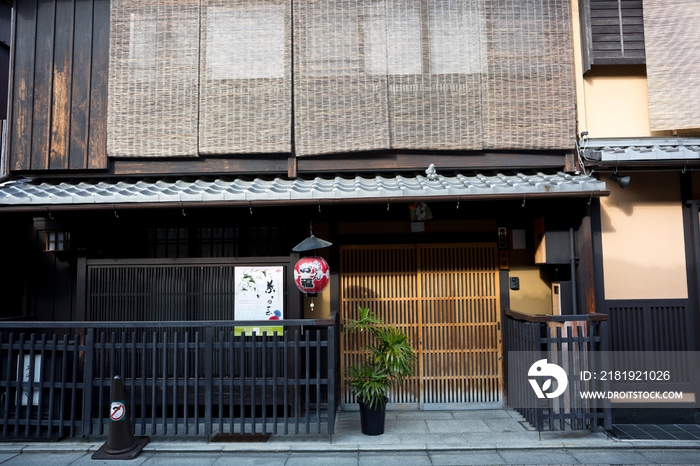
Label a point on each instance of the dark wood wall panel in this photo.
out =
(651, 325)
(5, 27)
(23, 85)
(80, 90)
(62, 70)
(58, 98)
(97, 136)
(43, 77)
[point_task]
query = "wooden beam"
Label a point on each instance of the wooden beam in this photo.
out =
(291, 166)
(200, 165)
(379, 161)
(442, 162)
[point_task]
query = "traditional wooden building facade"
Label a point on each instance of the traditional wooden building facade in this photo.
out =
(155, 147)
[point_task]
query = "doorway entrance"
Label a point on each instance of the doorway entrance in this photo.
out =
(446, 297)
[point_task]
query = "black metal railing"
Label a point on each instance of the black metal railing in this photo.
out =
(180, 377)
(567, 341)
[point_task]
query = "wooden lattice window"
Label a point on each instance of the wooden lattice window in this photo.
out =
(57, 241)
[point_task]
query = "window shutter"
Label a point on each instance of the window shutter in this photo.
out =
(673, 63)
(153, 85)
(612, 32)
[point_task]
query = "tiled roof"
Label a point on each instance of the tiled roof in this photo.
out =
(270, 191)
(642, 149)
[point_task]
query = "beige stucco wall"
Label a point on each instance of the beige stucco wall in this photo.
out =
(643, 245)
(534, 295)
(615, 101)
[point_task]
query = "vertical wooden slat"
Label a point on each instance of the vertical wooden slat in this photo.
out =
(43, 77)
(88, 381)
(61, 85)
(97, 119)
(80, 90)
(52, 388)
(175, 378)
(23, 84)
(197, 403)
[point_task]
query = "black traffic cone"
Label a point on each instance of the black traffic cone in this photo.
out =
(121, 443)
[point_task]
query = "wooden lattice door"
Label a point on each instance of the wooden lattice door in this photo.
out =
(446, 297)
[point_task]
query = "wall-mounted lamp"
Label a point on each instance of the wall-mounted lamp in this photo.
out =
(623, 181)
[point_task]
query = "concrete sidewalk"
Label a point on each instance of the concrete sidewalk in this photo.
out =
(406, 431)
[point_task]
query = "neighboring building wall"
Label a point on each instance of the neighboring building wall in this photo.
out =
(615, 102)
(612, 97)
(643, 243)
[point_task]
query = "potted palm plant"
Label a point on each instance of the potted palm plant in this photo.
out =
(388, 357)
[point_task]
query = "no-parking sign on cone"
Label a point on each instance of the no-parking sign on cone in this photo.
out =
(121, 443)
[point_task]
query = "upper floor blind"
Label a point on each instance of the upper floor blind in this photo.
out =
(673, 63)
(245, 77)
(332, 76)
(153, 78)
(612, 32)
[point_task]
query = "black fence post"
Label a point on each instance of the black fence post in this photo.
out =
(87, 380)
(208, 379)
(332, 382)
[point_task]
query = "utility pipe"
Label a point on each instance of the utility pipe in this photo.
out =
(574, 298)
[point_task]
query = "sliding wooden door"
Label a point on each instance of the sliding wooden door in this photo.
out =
(446, 297)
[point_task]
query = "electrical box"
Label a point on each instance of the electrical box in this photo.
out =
(552, 246)
(561, 298)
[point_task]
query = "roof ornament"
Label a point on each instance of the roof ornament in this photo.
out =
(431, 172)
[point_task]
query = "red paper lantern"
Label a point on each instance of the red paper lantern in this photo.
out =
(311, 274)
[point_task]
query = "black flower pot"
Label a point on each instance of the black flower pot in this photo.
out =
(372, 420)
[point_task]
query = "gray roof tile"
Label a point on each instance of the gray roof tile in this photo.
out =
(205, 189)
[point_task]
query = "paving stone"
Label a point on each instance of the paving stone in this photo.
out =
(672, 456)
(61, 458)
(449, 458)
(322, 459)
(394, 459)
(482, 414)
(423, 415)
(457, 426)
(601, 456)
(537, 457)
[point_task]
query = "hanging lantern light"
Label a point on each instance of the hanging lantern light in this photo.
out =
(311, 274)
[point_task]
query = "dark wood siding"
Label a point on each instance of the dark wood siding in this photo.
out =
(651, 325)
(612, 32)
(59, 85)
(5, 25)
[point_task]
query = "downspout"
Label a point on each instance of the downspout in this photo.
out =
(574, 297)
